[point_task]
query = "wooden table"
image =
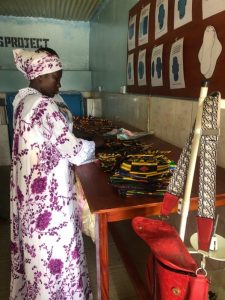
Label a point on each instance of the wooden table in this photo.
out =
(108, 207)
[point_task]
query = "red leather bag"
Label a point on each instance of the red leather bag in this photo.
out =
(171, 270)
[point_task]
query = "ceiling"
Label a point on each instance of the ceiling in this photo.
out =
(73, 10)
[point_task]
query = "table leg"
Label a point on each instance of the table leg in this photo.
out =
(102, 259)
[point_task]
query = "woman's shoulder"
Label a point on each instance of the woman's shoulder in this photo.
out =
(32, 101)
(32, 97)
(26, 94)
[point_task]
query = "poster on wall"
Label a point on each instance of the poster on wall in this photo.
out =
(161, 18)
(182, 12)
(143, 25)
(176, 65)
(130, 69)
(141, 69)
(209, 52)
(157, 66)
(212, 7)
(131, 33)
(178, 69)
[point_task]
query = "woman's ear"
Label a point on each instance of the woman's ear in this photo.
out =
(40, 78)
(37, 82)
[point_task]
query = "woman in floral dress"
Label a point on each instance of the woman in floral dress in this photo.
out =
(48, 260)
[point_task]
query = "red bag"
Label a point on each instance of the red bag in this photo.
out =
(171, 270)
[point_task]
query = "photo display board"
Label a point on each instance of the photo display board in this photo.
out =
(174, 45)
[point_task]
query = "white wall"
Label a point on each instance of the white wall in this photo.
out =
(68, 38)
(127, 108)
(170, 119)
(108, 46)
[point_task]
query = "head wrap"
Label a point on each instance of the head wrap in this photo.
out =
(33, 64)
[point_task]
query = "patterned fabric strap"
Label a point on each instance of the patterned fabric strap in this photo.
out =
(177, 181)
(208, 152)
(208, 156)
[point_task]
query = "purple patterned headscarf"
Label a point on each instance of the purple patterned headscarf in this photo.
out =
(33, 64)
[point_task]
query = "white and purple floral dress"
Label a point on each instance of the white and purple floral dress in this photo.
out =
(48, 261)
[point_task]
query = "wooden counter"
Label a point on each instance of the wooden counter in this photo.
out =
(108, 206)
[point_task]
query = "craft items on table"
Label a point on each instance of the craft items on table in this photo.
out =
(143, 174)
(136, 169)
(92, 125)
(115, 151)
(125, 134)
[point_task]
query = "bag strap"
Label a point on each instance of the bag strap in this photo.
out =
(208, 156)
(207, 180)
(207, 171)
(177, 181)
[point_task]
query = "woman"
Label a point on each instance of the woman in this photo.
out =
(48, 260)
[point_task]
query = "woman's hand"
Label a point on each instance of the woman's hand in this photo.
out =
(99, 141)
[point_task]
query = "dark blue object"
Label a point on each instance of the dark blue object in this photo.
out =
(159, 67)
(74, 102)
(9, 110)
(131, 31)
(161, 16)
(175, 68)
(181, 8)
(129, 70)
(145, 25)
(141, 69)
(153, 68)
